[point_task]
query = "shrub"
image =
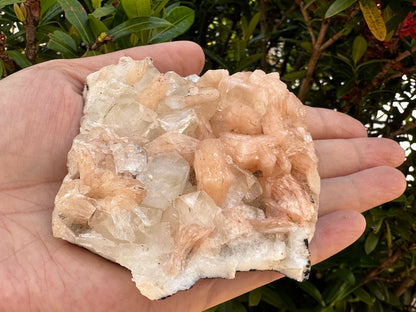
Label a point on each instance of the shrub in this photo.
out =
(355, 56)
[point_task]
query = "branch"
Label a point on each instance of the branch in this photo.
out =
(398, 122)
(4, 56)
(405, 166)
(318, 45)
(316, 52)
(286, 16)
(33, 11)
(380, 79)
(384, 266)
(339, 34)
(266, 42)
(407, 282)
(409, 72)
(389, 65)
(263, 22)
(404, 129)
(263, 31)
(307, 20)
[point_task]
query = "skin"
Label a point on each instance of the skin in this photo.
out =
(40, 108)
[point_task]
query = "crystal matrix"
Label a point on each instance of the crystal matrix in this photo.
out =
(179, 179)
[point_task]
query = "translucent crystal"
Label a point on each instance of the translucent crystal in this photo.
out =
(128, 157)
(164, 179)
(179, 179)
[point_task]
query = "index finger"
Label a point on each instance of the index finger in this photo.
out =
(329, 124)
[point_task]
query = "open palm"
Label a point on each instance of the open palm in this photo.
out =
(40, 108)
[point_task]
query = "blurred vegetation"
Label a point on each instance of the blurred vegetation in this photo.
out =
(355, 56)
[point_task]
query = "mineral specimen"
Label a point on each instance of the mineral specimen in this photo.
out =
(179, 179)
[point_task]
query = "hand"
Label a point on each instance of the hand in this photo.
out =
(40, 110)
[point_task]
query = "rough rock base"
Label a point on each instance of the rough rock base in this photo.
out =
(179, 179)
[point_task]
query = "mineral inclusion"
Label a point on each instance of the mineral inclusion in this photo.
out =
(179, 179)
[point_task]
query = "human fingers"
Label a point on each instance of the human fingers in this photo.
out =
(183, 57)
(362, 190)
(328, 124)
(340, 157)
(334, 232)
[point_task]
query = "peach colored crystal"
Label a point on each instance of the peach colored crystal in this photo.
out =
(179, 179)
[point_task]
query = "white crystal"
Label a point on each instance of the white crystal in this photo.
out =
(179, 179)
(165, 178)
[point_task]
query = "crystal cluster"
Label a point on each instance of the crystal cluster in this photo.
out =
(179, 179)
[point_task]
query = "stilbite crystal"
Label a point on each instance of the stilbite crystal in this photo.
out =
(179, 179)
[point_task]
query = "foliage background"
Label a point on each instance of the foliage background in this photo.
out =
(355, 56)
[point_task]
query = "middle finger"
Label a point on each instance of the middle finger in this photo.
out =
(340, 157)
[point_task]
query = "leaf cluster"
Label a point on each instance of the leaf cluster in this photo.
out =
(72, 28)
(354, 56)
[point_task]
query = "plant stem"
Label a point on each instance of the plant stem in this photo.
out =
(376, 81)
(33, 12)
(404, 129)
(316, 53)
(4, 56)
(318, 46)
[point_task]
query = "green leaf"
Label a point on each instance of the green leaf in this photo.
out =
(293, 76)
(62, 42)
(371, 242)
(97, 26)
(308, 3)
(45, 5)
(388, 14)
(388, 234)
(344, 275)
(273, 298)
(376, 307)
(339, 291)
(105, 10)
(253, 23)
(254, 297)
(378, 289)
(51, 13)
(358, 48)
(76, 15)
(19, 58)
(307, 46)
(180, 19)
(247, 61)
(216, 58)
(93, 53)
(343, 284)
(3, 3)
(345, 87)
(382, 292)
(364, 296)
(231, 306)
(376, 62)
(96, 4)
(137, 8)
(313, 291)
(171, 7)
(338, 6)
(400, 12)
(136, 25)
(158, 6)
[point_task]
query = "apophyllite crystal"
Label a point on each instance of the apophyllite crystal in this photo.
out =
(179, 179)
